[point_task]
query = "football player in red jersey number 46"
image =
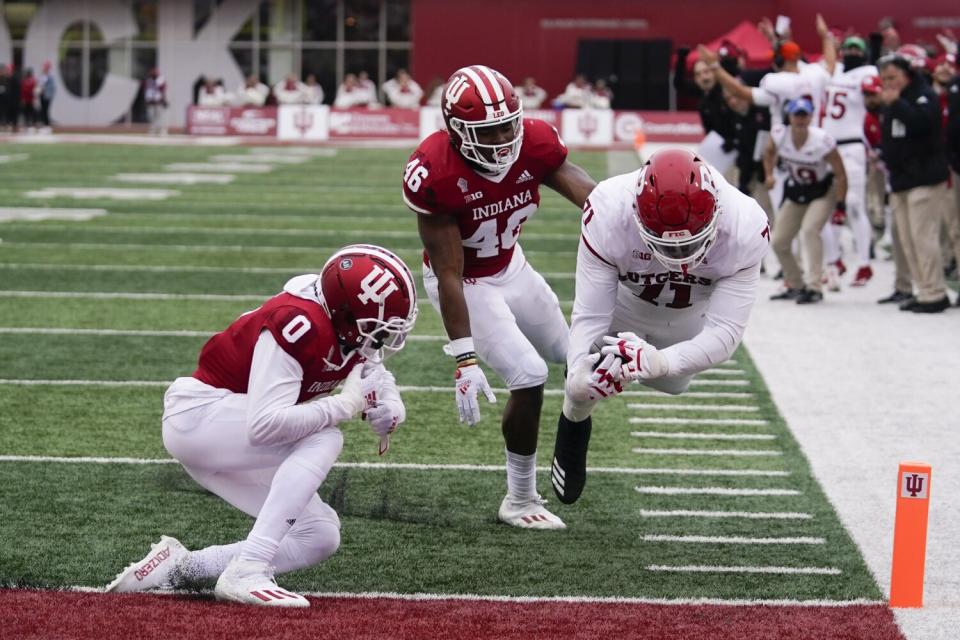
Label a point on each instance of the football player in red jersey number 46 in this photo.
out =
(255, 423)
(473, 186)
(667, 273)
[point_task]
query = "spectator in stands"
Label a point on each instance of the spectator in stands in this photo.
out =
(363, 78)
(351, 94)
(155, 98)
(46, 89)
(253, 93)
(312, 91)
(198, 84)
(403, 91)
(28, 98)
(531, 95)
(913, 152)
(601, 95)
(290, 90)
(211, 94)
(576, 95)
(434, 92)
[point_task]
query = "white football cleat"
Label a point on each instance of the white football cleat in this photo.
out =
(159, 570)
(251, 582)
(530, 514)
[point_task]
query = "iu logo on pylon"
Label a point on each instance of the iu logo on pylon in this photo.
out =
(377, 285)
(914, 485)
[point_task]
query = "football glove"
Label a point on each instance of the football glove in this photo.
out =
(839, 215)
(593, 378)
(641, 360)
(470, 381)
(352, 392)
(388, 412)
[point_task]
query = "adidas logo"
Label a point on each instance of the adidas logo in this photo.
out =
(524, 177)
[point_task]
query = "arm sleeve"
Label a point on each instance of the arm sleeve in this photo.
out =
(418, 189)
(725, 321)
(596, 292)
(273, 415)
(763, 97)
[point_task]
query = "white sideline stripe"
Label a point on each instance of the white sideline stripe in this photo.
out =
(824, 571)
(696, 407)
(126, 295)
(219, 167)
(733, 453)
(102, 192)
(706, 382)
(166, 383)
(713, 491)
(345, 465)
(430, 597)
(711, 421)
(749, 515)
(730, 540)
(678, 435)
(726, 372)
(315, 250)
(35, 214)
(175, 178)
(152, 333)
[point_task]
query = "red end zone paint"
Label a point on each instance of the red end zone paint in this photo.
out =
(65, 615)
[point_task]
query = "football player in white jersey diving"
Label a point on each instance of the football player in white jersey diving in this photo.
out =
(667, 274)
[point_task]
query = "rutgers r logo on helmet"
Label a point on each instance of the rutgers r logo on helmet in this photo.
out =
(371, 299)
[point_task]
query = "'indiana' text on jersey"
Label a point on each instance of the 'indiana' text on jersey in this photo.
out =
(489, 209)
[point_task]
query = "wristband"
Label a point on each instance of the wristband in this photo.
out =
(459, 346)
(841, 206)
(467, 360)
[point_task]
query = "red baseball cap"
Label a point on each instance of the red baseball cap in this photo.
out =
(871, 84)
(790, 50)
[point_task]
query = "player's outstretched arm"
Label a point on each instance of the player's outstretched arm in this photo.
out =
(829, 46)
(441, 238)
(727, 81)
(572, 182)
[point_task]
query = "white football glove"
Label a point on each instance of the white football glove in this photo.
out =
(387, 411)
(593, 378)
(352, 392)
(470, 381)
(641, 360)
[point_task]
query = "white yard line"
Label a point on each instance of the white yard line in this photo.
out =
(695, 407)
(574, 599)
(149, 268)
(824, 571)
(219, 167)
(175, 178)
(763, 473)
(713, 491)
(696, 394)
(731, 540)
(721, 453)
(9, 158)
(102, 193)
(708, 382)
(36, 214)
(680, 435)
(745, 422)
(153, 333)
(127, 295)
(725, 372)
(747, 515)
(277, 158)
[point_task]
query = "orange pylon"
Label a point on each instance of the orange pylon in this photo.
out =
(910, 534)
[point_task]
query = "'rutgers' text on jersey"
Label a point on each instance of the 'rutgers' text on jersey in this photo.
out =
(301, 327)
(490, 210)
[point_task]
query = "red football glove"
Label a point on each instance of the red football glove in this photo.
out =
(839, 214)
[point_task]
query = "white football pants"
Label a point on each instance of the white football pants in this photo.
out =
(515, 321)
(854, 156)
(275, 484)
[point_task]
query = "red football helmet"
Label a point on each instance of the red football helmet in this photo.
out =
(477, 102)
(677, 208)
(371, 298)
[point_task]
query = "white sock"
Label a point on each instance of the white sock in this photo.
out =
(210, 562)
(521, 476)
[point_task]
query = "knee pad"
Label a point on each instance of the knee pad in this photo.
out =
(529, 370)
(310, 541)
(673, 386)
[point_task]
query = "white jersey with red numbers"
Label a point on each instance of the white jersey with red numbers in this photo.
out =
(489, 209)
(808, 164)
(778, 88)
(697, 318)
(843, 110)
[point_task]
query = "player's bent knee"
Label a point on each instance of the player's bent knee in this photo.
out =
(529, 370)
(673, 386)
(324, 542)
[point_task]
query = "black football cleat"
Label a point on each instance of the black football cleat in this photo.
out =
(569, 470)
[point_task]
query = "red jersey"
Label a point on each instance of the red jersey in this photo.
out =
(302, 329)
(490, 213)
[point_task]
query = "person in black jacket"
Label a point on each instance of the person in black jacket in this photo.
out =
(912, 146)
(714, 113)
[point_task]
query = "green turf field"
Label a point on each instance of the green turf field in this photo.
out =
(182, 268)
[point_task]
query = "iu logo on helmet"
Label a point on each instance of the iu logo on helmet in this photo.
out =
(455, 89)
(376, 286)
